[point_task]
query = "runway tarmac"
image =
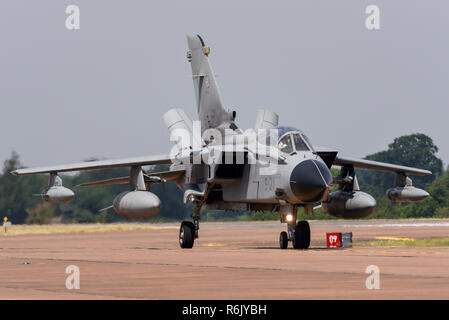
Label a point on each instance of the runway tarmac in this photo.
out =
(239, 260)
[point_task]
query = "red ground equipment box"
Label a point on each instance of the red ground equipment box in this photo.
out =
(333, 240)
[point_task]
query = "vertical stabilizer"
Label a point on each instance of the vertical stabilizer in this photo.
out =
(211, 111)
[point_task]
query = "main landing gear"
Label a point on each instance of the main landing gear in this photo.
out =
(188, 231)
(186, 235)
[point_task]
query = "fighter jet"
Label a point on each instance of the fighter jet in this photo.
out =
(219, 166)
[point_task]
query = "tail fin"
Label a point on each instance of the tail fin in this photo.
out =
(211, 111)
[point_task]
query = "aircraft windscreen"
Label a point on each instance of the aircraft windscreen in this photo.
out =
(285, 144)
(284, 129)
(268, 135)
(300, 144)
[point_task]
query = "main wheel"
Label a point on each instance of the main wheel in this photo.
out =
(283, 240)
(186, 235)
(301, 240)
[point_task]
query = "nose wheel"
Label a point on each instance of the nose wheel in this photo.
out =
(283, 240)
(301, 238)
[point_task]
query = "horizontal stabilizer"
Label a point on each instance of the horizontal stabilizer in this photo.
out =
(266, 119)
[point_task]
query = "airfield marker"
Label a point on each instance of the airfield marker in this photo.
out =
(6, 224)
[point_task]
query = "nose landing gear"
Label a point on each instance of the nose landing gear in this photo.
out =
(299, 234)
(301, 239)
(283, 240)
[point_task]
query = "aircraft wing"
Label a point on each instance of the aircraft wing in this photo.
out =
(380, 166)
(92, 165)
(152, 177)
(331, 157)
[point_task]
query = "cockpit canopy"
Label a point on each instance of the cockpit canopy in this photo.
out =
(289, 139)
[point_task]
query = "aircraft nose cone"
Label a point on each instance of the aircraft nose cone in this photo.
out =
(309, 180)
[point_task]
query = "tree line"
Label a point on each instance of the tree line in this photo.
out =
(20, 206)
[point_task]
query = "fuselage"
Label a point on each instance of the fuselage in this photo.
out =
(294, 174)
(301, 177)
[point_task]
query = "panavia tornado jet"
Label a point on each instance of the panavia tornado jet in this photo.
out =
(219, 166)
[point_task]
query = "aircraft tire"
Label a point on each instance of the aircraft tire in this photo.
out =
(301, 239)
(186, 235)
(283, 240)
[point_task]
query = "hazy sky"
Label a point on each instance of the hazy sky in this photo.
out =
(101, 90)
